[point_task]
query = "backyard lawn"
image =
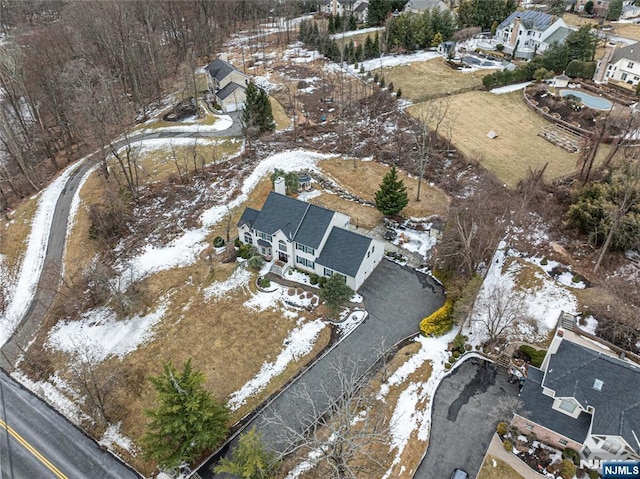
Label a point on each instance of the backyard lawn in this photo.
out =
(494, 468)
(517, 149)
(422, 80)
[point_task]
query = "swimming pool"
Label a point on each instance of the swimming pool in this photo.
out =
(589, 100)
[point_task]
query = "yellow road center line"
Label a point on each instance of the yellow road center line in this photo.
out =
(32, 450)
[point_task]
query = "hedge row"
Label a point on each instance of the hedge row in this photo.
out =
(439, 322)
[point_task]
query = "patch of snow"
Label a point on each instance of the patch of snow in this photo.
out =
(112, 436)
(356, 298)
(409, 416)
(299, 343)
(352, 33)
(52, 393)
(238, 279)
(107, 335)
(510, 88)
(389, 61)
(352, 321)
(20, 294)
(307, 195)
(415, 241)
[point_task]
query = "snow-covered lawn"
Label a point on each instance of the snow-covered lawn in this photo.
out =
(389, 61)
(20, 293)
(357, 32)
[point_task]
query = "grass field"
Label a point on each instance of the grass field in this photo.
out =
(627, 30)
(517, 149)
(14, 234)
(364, 179)
(501, 470)
(279, 115)
(423, 80)
(573, 20)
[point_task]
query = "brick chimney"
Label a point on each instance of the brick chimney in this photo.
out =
(604, 63)
(514, 32)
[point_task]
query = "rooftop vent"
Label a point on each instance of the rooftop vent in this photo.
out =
(597, 385)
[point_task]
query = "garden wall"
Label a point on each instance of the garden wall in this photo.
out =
(552, 118)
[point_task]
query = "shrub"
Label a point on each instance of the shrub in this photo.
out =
(264, 282)
(456, 354)
(313, 278)
(580, 69)
(569, 453)
(499, 47)
(390, 87)
(508, 445)
(439, 322)
(467, 347)
(322, 281)
(594, 475)
(398, 92)
(218, 242)
(447, 365)
(544, 261)
(458, 343)
(576, 278)
(255, 262)
(237, 243)
(536, 355)
(567, 469)
(382, 82)
(502, 428)
(246, 251)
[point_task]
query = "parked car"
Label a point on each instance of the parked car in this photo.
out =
(459, 474)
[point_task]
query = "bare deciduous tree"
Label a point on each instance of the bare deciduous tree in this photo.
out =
(342, 430)
(432, 116)
(506, 407)
(498, 309)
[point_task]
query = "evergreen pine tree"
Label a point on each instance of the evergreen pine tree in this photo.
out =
(375, 51)
(353, 24)
(186, 421)
(331, 28)
(257, 112)
(391, 198)
(368, 48)
(250, 110)
(399, 92)
(335, 293)
(250, 459)
(265, 112)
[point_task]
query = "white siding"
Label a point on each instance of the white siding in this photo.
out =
(371, 260)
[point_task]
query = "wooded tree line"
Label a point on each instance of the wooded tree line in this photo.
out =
(412, 31)
(75, 74)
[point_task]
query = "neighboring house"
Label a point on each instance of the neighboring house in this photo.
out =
(310, 238)
(227, 84)
(345, 8)
(600, 7)
(620, 66)
(629, 10)
(419, 6)
(530, 33)
(583, 397)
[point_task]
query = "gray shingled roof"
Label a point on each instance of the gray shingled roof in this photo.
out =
(538, 408)
(344, 251)
(219, 69)
(422, 5)
(263, 243)
(228, 90)
(249, 215)
(558, 36)
(280, 212)
(537, 20)
(572, 371)
(313, 226)
(362, 7)
(630, 52)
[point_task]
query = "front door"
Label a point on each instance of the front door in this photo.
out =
(283, 256)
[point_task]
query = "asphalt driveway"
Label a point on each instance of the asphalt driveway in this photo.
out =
(397, 298)
(461, 427)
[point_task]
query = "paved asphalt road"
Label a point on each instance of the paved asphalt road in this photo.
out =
(37, 442)
(461, 426)
(397, 298)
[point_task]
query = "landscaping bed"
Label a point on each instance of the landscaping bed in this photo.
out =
(565, 109)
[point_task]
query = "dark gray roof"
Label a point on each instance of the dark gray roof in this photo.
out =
(538, 408)
(313, 226)
(280, 212)
(572, 371)
(219, 69)
(228, 90)
(344, 251)
(248, 217)
(630, 52)
(304, 178)
(534, 20)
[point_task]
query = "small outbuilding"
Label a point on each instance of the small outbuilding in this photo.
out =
(561, 81)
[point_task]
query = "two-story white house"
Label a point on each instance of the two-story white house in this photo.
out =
(227, 84)
(527, 33)
(345, 8)
(297, 234)
(583, 397)
(620, 66)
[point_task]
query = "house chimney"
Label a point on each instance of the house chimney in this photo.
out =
(279, 186)
(514, 33)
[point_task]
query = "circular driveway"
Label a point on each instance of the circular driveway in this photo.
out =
(461, 424)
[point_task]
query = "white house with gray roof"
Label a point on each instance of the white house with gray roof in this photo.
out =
(227, 84)
(530, 32)
(297, 234)
(620, 66)
(583, 397)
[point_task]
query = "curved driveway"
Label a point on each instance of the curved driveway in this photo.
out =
(397, 298)
(461, 422)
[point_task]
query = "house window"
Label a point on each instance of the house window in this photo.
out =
(305, 262)
(630, 65)
(568, 405)
(564, 442)
(248, 238)
(305, 249)
(368, 253)
(328, 272)
(586, 452)
(265, 236)
(623, 77)
(265, 251)
(611, 445)
(282, 246)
